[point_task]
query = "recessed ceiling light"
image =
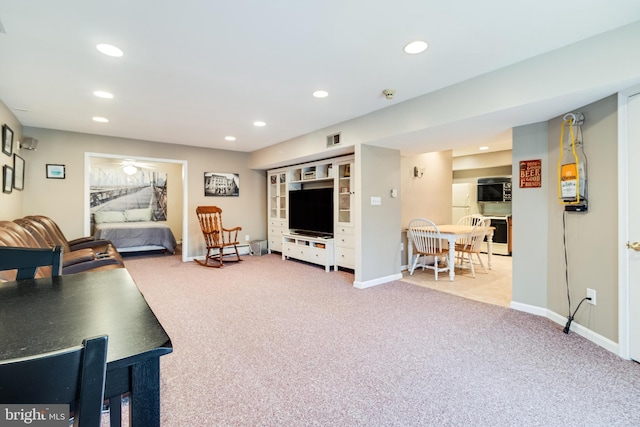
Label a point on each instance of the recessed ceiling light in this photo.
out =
(483, 148)
(100, 119)
(109, 49)
(415, 47)
(103, 94)
(259, 124)
(230, 138)
(321, 94)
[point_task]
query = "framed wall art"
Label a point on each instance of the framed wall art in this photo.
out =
(55, 171)
(221, 184)
(7, 140)
(18, 172)
(7, 179)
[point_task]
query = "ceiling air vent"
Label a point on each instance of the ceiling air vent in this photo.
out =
(333, 139)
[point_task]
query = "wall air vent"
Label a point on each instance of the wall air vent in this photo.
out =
(333, 140)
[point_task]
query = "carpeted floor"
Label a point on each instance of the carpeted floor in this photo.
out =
(268, 342)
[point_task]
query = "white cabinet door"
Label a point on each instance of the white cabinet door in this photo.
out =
(461, 195)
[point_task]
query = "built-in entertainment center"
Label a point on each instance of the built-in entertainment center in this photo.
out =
(310, 212)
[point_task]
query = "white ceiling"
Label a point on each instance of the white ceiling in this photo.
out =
(196, 71)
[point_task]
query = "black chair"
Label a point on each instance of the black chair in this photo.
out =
(74, 376)
(27, 260)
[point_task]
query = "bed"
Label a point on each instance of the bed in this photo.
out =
(133, 230)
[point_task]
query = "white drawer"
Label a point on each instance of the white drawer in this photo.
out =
(291, 250)
(277, 231)
(316, 256)
(345, 257)
(275, 243)
(277, 223)
(305, 253)
(345, 240)
(345, 230)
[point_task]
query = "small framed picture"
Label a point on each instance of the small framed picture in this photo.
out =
(7, 179)
(55, 171)
(18, 172)
(7, 140)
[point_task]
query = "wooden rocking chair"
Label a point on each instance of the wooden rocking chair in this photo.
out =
(216, 237)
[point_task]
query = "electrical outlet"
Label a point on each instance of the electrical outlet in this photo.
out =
(591, 293)
(246, 238)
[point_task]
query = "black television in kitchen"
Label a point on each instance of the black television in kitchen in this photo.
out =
(311, 211)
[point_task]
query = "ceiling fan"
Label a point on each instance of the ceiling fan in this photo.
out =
(130, 166)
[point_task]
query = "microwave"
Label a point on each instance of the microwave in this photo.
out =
(495, 189)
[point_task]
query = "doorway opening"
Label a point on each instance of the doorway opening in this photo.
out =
(172, 173)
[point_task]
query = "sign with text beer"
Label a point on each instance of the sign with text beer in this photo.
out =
(530, 173)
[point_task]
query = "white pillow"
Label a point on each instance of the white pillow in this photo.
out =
(108, 216)
(137, 215)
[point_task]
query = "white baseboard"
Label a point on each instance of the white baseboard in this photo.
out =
(242, 250)
(378, 281)
(532, 309)
(577, 328)
(587, 333)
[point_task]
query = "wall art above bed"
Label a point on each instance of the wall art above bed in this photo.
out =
(111, 189)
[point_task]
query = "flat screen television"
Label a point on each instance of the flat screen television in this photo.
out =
(311, 211)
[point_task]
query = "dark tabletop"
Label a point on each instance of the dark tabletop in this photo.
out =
(43, 315)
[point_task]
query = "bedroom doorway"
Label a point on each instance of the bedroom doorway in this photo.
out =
(159, 184)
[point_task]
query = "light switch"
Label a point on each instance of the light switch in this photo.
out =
(376, 201)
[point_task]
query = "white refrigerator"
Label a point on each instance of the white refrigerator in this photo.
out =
(460, 201)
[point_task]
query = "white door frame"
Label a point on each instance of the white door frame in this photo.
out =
(87, 213)
(623, 221)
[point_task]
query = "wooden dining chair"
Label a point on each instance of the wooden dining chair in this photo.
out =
(27, 261)
(216, 237)
(427, 242)
(472, 245)
(74, 376)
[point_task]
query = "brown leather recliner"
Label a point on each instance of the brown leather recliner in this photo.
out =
(57, 237)
(13, 234)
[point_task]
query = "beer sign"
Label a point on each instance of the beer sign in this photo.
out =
(530, 173)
